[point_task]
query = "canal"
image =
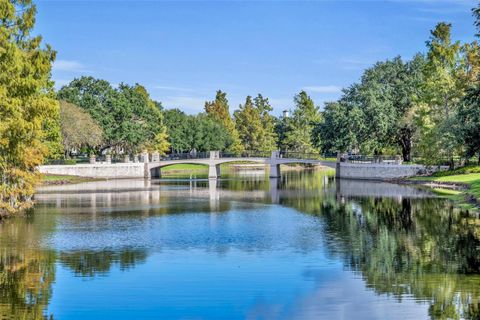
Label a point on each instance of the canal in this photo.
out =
(303, 246)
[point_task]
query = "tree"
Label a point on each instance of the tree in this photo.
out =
(209, 134)
(469, 117)
(180, 131)
(339, 127)
(255, 125)
(444, 86)
(26, 103)
(268, 137)
(248, 125)
(299, 128)
(130, 119)
(79, 130)
(218, 110)
(52, 135)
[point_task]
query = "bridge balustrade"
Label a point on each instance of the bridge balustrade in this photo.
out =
(246, 154)
(186, 156)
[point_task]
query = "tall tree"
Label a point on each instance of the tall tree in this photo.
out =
(269, 136)
(443, 88)
(180, 130)
(299, 128)
(26, 102)
(469, 117)
(337, 132)
(209, 134)
(79, 130)
(130, 119)
(255, 125)
(218, 109)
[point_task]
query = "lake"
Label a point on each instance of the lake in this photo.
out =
(244, 247)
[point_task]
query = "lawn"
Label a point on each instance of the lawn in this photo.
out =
(469, 176)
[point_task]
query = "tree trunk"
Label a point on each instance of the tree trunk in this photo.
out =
(406, 143)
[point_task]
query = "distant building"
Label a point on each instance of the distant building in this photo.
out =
(286, 113)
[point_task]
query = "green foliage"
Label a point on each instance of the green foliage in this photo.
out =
(218, 110)
(209, 134)
(128, 117)
(52, 135)
(26, 104)
(79, 130)
(416, 107)
(255, 125)
(298, 134)
(469, 118)
(180, 130)
(201, 132)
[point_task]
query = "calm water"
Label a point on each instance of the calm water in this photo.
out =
(299, 247)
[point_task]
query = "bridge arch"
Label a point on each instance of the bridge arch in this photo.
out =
(153, 169)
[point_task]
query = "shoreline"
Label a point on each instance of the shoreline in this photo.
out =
(456, 191)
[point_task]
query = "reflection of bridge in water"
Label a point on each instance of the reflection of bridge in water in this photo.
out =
(147, 195)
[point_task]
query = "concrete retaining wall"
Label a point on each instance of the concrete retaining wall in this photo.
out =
(378, 171)
(98, 170)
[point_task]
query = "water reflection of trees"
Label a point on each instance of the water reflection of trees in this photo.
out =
(26, 275)
(91, 263)
(424, 248)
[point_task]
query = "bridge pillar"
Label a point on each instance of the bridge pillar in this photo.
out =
(214, 155)
(274, 194)
(338, 164)
(156, 156)
(213, 171)
(274, 170)
(145, 156)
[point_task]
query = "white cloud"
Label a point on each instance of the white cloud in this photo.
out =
(323, 89)
(69, 66)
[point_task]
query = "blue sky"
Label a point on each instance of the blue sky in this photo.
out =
(183, 51)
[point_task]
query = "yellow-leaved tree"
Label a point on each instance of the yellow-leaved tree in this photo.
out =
(26, 103)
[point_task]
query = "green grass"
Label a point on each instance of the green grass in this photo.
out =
(467, 179)
(468, 176)
(458, 171)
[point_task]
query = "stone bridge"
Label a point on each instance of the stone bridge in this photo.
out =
(150, 167)
(215, 159)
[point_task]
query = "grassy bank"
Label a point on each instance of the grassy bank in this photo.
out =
(462, 184)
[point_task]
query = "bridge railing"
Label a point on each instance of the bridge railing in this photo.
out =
(307, 156)
(246, 154)
(364, 159)
(186, 156)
